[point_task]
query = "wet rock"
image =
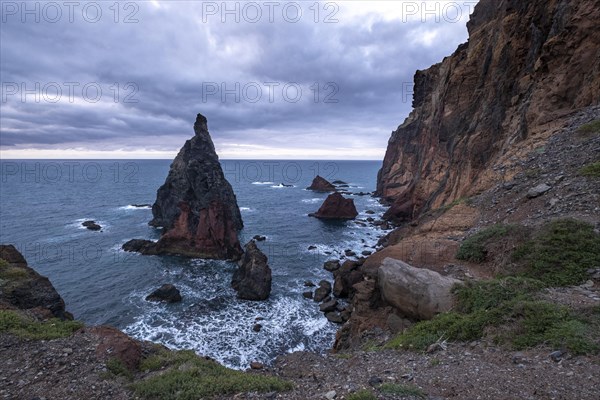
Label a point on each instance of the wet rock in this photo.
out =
(309, 284)
(146, 247)
(256, 365)
(332, 265)
(167, 293)
(91, 225)
(349, 253)
(259, 238)
(252, 280)
(334, 317)
(320, 184)
(346, 277)
(257, 327)
(328, 306)
(307, 295)
(336, 206)
(141, 205)
(338, 182)
(322, 291)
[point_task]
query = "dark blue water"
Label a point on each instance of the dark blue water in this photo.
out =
(42, 205)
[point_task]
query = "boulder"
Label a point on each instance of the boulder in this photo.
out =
(332, 265)
(146, 247)
(111, 343)
(336, 206)
(91, 225)
(252, 280)
(320, 184)
(416, 292)
(259, 238)
(196, 205)
(346, 277)
(23, 288)
(538, 191)
(322, 291)
(329, 306)
(167, 293)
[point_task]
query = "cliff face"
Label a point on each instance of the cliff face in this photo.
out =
(196, 205)
(526, 66)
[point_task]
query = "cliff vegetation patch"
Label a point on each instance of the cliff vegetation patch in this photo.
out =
(29, 328)
(591, 170)
(183, 375)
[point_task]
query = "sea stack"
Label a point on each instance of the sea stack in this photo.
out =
(196, 205)
(252, 280)
(336, 206)
(320, 184)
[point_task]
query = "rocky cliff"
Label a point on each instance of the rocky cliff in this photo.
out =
(527, 66)
(196, 205)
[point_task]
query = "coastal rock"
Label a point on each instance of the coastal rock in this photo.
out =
(196, 205)
(346, 277)
(332, 265)
(320, 184)
(23, 288)
(336, 207)
(416, 292)
(91, 225)
(252, 280)
(146, 247)
(511, 81)
(322, 291)
(167, 293)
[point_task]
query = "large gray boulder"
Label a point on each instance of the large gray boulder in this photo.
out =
(416, 292)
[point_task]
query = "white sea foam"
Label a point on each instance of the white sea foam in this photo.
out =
(246, 209)
(130, 207)
(262, 183)
(312, 201)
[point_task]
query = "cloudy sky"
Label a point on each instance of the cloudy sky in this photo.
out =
(276, 79)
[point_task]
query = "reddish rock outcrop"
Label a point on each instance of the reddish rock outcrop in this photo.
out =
(23, 288)
(111, 344)
(196, 205)
(336, 206)
(320, 184)
(527, 65)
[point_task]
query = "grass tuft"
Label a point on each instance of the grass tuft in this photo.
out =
(474, 248)
(188, 376)
(362, 395)
(27, 328)
(118, 368)
(589, 130)
(560, 253)
(591, 170)
(401, 390)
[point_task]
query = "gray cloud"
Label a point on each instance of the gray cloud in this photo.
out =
(172, 57)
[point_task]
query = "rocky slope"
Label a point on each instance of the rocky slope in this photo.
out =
(196, 205)
(526, 67)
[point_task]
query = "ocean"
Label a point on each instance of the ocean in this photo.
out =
(43, 203)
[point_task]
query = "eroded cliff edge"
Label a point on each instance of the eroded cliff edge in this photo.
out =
(526, 67)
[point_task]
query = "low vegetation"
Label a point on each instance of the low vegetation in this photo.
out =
(362, 395)
(183, 375)
(591, 170)
(474, 248)
(28, 328)
(117, 368)
(589, 130)
(508, 311)
(397, 389)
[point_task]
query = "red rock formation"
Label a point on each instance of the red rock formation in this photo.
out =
(336, 206)
(526, 64)
(196, 205)
(320, 184)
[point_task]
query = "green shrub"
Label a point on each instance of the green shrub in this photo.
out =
(474, 248)
(509, 304)
(590, 129)
(118, 368)
(27, 328)
(591, 170)
(188, 376)
(401, 390)
(362, 395)
(560, 253)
